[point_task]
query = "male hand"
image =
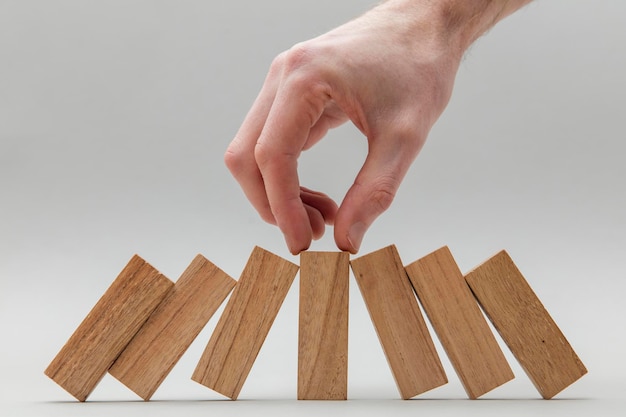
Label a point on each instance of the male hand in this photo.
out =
(391, 73)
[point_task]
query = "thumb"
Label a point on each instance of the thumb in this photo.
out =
(374, 188)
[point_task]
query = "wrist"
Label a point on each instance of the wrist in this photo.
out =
(457, 23)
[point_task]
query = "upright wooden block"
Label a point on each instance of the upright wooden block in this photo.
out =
(525, 325)
(323, 326)
(108, 328)
(170, 330)
(399, 324)
(247, 318)
(459, 323)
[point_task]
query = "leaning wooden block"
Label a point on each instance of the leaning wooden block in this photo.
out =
(525, 325)
(108, 328)
(170, 330)
(323, 326)
(246, 321)
(459, 323)
(399, 324)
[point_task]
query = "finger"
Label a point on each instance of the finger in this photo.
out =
(316, 221)
(321, 202)
(250, 180)
(374, 187)
(239, 157)
(296, 108)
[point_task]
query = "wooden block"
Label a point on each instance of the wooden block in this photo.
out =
(247, 318)
(170, 330)
(459, 323)
(399, 324)
(525, 325)
(108, 328)
(323, 326)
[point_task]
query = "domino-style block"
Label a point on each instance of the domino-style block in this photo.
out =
(459, 323)
(323, 326)
(107, 329)
(246, 321)
(170, 330)
(525, 325)
(398, 321)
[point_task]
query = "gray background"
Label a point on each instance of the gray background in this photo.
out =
(114, 117)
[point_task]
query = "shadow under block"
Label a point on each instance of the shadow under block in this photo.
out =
(170, 330)
(323, 326)
(525, 325)
(398, 321)
(459, 323)
(108, 328)
(245, 322)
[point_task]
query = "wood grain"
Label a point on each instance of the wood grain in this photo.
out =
(108, 328)
(323, 326)
(246, 321)
(525, 325)
(170, 330)
(399, 323)
(459, 323)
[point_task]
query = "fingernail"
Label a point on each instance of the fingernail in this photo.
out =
(296, 248)
(355, 235)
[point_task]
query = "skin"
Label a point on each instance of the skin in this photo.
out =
(391, 73)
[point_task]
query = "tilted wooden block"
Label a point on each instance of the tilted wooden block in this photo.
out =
(399, 324)
(525, 325)
(247, 318)
(323, 326)
(108, 328)
(170, 330)
(459, 323)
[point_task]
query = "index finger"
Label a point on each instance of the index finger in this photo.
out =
(295, 110)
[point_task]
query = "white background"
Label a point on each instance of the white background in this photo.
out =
(114, 117)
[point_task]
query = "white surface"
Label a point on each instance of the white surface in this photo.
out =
(113, 120)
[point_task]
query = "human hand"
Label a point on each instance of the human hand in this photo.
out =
(391, 73)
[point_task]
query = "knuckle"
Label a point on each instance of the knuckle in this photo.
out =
(292, 60)
(302, 68)
(298, 56)
(403, 126)
(262, 154)
(278, 64)
(410, 136)
(235, 161)
(268, 155)
(383, 194)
